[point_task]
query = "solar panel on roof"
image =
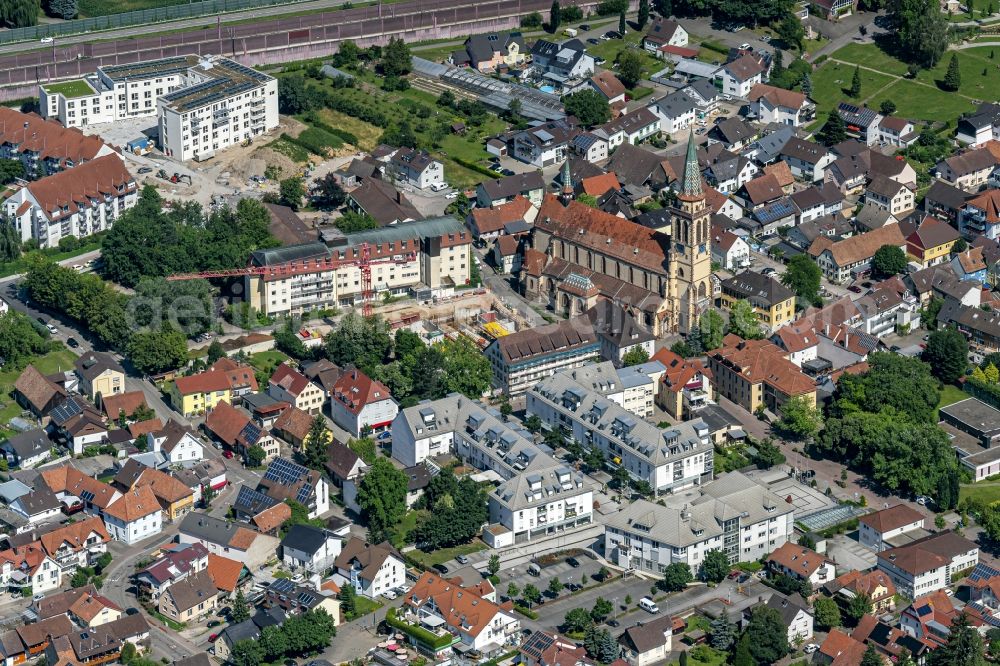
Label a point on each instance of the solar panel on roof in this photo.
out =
(282, 586)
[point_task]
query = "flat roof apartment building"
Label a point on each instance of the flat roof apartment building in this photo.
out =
(203, 104)
(432, 254)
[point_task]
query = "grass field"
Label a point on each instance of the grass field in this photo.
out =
(55, 361)
(985, 491)
(89, 8)
(70, 89)
(267, 360)
(918, 102)
(832, 80)
(442, 555)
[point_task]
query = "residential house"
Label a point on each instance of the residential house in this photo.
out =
(739, 76)
(861, 122)
(72, 486)
(734, 133)
(506, 254)
(416, 168)
(490, 51)
(287, 480)
(675, 111)
(511, 218)
(770, 104)
(227, 539)
(875, 585)
(761, 191)
(684, 387)
(175, 498)
(730, 251)
(38, 506)
(980, 327)
(632, 128)
(898, 132)
(802, 563)
(233, 428)
(45, 147)
(608, 86)
(980, 216)
(928, 564)
(36, 636)
(795, 615)
(78, 544)
(189, 598)
(647, 643)
(178, 561)
(343, 463)
(264, 409)
(980, 127)
(537, 505)
(371, 569)
(889, 307)
(361, 404)
(26, 449)
(311, 548)
(619, 332)
(293, 426)
(127, 404)
(100, 375)
(94, 610)
(772, 302)
(890, 195)
(227, 574)
(544, 649)
(471, 613)
(561, 62)
(931, 242)
(382, 202)
(968, 171)
(650, 536)
(845, 259)
(724, 170)
(134, 516)
(945, 201)
(78, 424)
(289, 385)
(29, 567)
(590, 146)
(817, 202)
(664, 32)
(197, 394)
(970, 265)
(807, 160)
(178, 443)
(752, 373)
(35, 392)
(929, 618)
(249, 630)
(492, 193)
(292, 599)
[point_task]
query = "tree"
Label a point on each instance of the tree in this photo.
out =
(711, 328)
(531, 594)
(676, 577)
(827, 613)
(715, 566)
(768, 454)
(555, 586)
(643, 16)
(293, 95)
(947, 353)
(554, 17)
(79, 579)
(965, 646)
(291, 191)
(247, 653)
(152, 352)
(577, 620)
(803, 276)
(953, 77)
(722, 633)
(889, 260)
(833, 132)
(959, 246)
(790, 31)
(635, 356)
(10, 242)
(629, 67)
(493, 565)
(11, 170)
(240, 608)
(871, 657)
(607, 646)
(255, 456)
(799, 418)
(920, 30)
(768, 635)
(743, 655)
(328, 193)
(601, 610)
(64, 9)
(314, 449)
(513, 590)
(888, 107)
(858, 606)
(215, 351)
(855, 90)
(396, 59)
(361, 341)
(589, 107)
(991, 374)
(382, 498)
(532, 20)
(743, 321)
(459, 510)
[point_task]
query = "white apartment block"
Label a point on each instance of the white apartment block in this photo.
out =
(733, 514)
(538, 504)
(203, 104)
(928, 564)
(79, 202)
(875, 530)
(632, 388)
(669, 459)
(432, 255)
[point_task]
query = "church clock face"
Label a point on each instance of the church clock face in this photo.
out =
(702, 249)
(680, 247)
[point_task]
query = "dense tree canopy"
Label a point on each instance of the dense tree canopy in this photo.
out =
(589, 106)
(458, 511)
(902, 383)
(803, 276)
(947, 353)
(768, 635)
(147, 242)
(382, 498)
(920, 30)
(889, 260)
(20, 340)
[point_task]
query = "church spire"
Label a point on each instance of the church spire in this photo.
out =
(691, 181)
(567, 183)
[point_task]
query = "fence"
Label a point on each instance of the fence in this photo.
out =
(137, 17)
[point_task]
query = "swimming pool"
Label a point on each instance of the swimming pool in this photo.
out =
(548, 89)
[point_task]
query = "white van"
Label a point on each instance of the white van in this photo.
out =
(437, 187)
(648, 605)
(571, 32)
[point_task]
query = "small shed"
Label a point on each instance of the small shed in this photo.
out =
(140, 146)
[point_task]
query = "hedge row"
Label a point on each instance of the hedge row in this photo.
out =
(311, 119)
(715, 46)
(317, 141)
(988, 393)
(428, 638)
(475, 167)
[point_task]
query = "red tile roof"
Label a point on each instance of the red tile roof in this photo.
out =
(31, 132)
(93, 180)
(133, 505)
(226, 422)
(777, 96)
(892, 518)
(289, 379)
(596, 186)
(801, 561)
(355, 389)
(608, 84)
(492, 220)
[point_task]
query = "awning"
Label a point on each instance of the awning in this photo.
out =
(737, 433)
(431, 621)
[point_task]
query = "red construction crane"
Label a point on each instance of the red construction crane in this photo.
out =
(363, 261)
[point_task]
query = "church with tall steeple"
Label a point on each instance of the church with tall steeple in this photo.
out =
(691, 252)
(580, 256)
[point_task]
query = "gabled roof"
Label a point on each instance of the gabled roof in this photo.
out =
(801, 561)
(368, 557)
(355, 390)
(763, 189)
(38, 390)
(289, 379)
(29, 132)
(928, 553)
(133, 505)
(224, 572)
(892, 518)
(113, 405)
(220, 379)
(74, 535)
(294, 422)
(492, 220)
(744, 68)
(932, 232)
(863, 246)
(93, 364)
(68, 479)
(77, 187)
(461, 608)
(191, 591)
(647, 636)
(608, 84)
(777, 96)
(305, 538)
(761, 290)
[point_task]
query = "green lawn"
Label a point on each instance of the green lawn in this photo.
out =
(972, 63)
(267, 360)
(918, 102)
(870, 55)
(363, 606)
(831, 82)
(20, 265)
(70, 89)
(951, 394)
(406, 525)
(985, 491)
(105, 7)
(55, 361)
(442, 555)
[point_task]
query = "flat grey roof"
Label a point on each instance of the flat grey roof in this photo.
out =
(975, 414)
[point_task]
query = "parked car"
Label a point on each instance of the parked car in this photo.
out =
(612, 34)
(389, 594)
(745, 47)
(52, 329)
(72, 343)
(585, 27)
(227, 454)
(593, 40)
(735, 573)
(211, 639)
(145, 169)
(441, 569)
(614, 623)
(223, 612)
(573, 562)
(213, 624)
(462, 559)
(809, 649)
